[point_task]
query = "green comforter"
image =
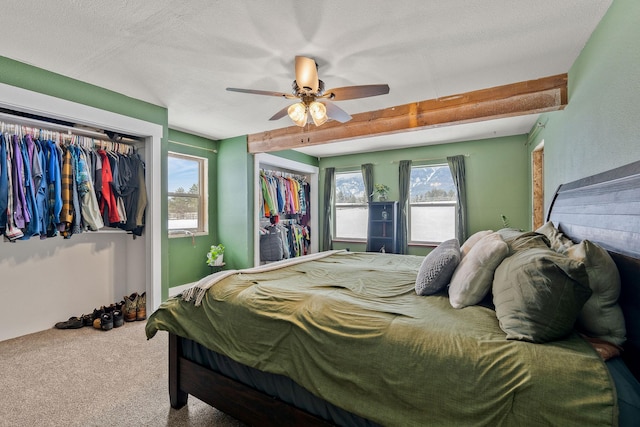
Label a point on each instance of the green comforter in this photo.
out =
(350, 328)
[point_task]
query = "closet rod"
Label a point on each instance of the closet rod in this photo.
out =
(10, 119)
(284, 172)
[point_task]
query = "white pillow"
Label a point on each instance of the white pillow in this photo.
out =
(558, 242)
(472, 240)
(601, 316)
(473, 277)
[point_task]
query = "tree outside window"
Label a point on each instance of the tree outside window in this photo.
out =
(187, 197)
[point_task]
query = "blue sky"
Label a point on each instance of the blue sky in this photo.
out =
(182, 173)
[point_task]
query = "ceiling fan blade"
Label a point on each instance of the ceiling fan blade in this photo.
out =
(334, 112)
(307, 74)
(280, 114)
(355, 92)
(261, 92)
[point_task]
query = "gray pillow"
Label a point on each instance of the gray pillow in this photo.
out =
(538, 294)
(438, 267)
(601, 317)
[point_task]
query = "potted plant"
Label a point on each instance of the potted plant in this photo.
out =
(381, 190)
(215, 255)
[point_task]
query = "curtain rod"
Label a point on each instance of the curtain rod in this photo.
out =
(352, 166)
(444, 159)
(194, 146)
(54, 127)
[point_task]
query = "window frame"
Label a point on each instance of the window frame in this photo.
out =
(364, 205)
(202, 227)
(433, 204)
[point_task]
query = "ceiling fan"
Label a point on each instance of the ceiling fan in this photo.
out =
(315, 101)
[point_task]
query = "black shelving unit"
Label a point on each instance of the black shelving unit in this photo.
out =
(383, 227)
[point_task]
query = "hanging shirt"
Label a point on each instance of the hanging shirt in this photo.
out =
(108, 205)
(54, 186)
(41, 189)
(66, 181)
(20, 212)
(90, 210)
(269, 207)
(32, 227)
(4, 184)
(37, 178)
(11, 232)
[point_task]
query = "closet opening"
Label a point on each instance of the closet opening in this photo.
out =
(285, 223)
(66, 277)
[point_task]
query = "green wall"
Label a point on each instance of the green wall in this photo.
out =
(25, 76)
(235, 198)
(186, 255)
(599, 129)
(497, 181)
(235, 202)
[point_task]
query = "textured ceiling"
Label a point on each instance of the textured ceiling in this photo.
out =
(182, 55)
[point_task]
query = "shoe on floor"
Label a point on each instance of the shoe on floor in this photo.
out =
(130, 307)
(106, 322)
(141, 309)
(87, 319)
(72, 323)
(118, 318)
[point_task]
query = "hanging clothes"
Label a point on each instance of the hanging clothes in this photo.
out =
(63, 184)
(4, 183)
(282, 194)
(284, 199)
(90, 210)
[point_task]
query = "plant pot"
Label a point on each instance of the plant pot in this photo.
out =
(218, 260)
(382, 198)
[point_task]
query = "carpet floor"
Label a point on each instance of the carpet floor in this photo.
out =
(89, 377)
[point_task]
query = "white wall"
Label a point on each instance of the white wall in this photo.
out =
(44, 281)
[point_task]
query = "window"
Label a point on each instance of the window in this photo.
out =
(350, 206)
(187, 195)
(432, 204)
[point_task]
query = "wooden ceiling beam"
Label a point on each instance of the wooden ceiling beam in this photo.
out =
(517, 99)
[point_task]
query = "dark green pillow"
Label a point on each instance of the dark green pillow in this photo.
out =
(538, 294)
(518, 240)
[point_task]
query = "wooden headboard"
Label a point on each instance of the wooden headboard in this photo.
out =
(605, 209)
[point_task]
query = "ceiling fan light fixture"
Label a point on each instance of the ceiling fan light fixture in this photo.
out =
(318, 113)
(298, 113)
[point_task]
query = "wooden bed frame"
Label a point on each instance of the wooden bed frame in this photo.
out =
(603, 208)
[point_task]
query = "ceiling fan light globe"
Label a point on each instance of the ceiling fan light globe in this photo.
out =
(318, 113)
(298, 113)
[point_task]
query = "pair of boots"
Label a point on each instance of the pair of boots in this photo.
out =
(135, 307)
(107, 317)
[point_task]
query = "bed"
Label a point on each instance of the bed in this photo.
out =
(348, 338)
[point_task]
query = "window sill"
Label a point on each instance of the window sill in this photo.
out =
(186, 233)
(347, 240)
(424, 244)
